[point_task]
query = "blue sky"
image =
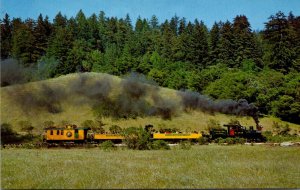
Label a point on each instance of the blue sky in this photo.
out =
(209, 11)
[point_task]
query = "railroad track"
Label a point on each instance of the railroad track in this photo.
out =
(89, 145)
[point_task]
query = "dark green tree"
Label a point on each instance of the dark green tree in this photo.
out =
(154, 22)
(23, 43)
(59, 46)
(244, 42)
(214, 42)
(6, 37)
(199, 45)
(280, 37)
(41, 32)
(59, 21)
(226, 45)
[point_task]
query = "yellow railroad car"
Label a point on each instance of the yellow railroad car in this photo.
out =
(176, 136)
(111, 137)
(68, 133)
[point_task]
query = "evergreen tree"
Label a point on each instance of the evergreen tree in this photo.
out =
(295, 23)
(182, 25)
(94, 38)
(6, 37)
(199, 46)
(280, 36)
(59, 21)
(101, 42)
(111, 28)
(167, 37)
(83, 30)
(244, 42)
(23, 42)
(77, 55)
(226, 45)
(214, 42)
(174, 24)
(59, 46)
(154, 22)
(139, 25)
(42, 32)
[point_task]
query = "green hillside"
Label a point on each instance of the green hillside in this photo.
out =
(25, 103)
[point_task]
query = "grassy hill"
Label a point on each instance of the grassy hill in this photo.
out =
(71, 99)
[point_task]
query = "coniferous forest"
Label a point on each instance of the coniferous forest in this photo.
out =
(227, 61)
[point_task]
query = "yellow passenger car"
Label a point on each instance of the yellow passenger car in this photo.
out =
(176, 136)
(68, 133)
(111, 137)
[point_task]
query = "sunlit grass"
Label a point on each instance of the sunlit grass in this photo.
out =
(201, 167)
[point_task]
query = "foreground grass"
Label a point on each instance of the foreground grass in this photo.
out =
(201, 167)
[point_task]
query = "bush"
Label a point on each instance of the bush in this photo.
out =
(240, 140)
(26, 126)
(213, 124)
(230, 140)
(234, 122)
(8, 135)
(279, 138)
(96, 126)
(137, 138)
(185, 145)
(219, 140)
(203, 140)
(107, 145)
(160, 145)
(29, 146)
(48, 123)
(279, 129)
(115, 129)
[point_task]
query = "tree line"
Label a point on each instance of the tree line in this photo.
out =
(227, 61)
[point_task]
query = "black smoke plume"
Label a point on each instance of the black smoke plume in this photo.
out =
(94, 91)
(34, 99)
(196, 101)
(136, 97)
(12, 72)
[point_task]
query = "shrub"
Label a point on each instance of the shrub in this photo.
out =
(115, 129)
(185, 145)
(137, 138)
(88, 124)
(8, 135)
(64, 122)
(29, 146)
(219, 140)
(96, 126)
(203, 140)
(48, 124)
(26, 126)
(107, 145)
(279, 129)
(280, 138)
(234, 122)
(213, 124)
(240, 140)
(160, 145)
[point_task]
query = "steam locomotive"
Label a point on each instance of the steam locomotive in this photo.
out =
(238, 131)
(74, 134)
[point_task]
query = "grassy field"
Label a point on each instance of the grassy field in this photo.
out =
(77, 113)
(200, 167)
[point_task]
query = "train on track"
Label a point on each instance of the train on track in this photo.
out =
(80, 135)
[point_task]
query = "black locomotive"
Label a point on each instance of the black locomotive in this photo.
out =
(238, 131)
